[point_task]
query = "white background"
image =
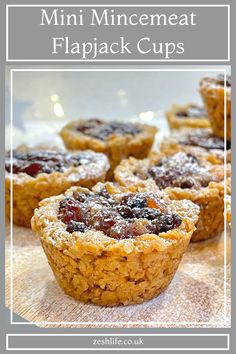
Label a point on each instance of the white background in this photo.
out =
(44, 101)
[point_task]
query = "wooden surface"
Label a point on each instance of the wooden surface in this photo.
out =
(195, 298)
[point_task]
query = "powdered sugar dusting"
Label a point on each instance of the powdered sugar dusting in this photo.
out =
(180, 170)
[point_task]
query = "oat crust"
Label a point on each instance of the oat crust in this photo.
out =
(180, 123)
(170, 145)
(93, 267)
(213, 98)
(117, 147)
(28, 191)
(210, 199)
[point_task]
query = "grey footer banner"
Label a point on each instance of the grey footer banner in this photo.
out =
(72, 342)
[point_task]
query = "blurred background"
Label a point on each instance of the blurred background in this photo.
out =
(43, 101)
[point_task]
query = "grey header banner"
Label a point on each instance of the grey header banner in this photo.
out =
(113, 33)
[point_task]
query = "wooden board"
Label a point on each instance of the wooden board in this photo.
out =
(195, 298)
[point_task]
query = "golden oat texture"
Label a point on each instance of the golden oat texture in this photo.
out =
(92, 267)
(171, 145)
(28, 191)
(228, 201)
(210, 199)
(117, 147)
(213, 98)
(176, 122)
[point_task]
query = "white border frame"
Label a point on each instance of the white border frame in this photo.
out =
(227, 348)
(120, 60)
(162, 324)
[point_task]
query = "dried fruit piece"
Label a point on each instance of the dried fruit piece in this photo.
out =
(126, 217)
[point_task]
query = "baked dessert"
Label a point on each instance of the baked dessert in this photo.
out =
(114, 245)
(200, 142)
(182, 176)
(187, 116)
(213, 92)
(116, 139)
(38, 174)
(228, 201)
